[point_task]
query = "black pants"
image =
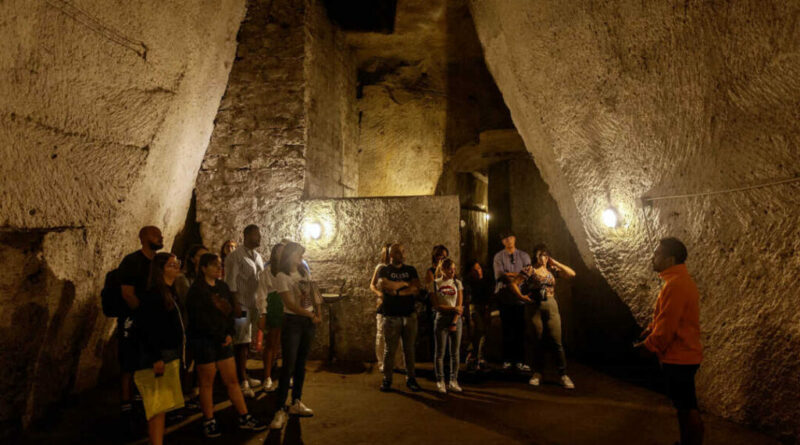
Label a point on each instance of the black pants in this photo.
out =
(513, 318)
(680, 385)
(297, 333)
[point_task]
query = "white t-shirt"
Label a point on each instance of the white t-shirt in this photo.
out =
(447, 290)
(265, 286)
(299, 290)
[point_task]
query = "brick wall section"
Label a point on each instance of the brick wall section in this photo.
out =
(286, 126)
(332, 132)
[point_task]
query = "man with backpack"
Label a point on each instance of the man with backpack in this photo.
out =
(132, 276)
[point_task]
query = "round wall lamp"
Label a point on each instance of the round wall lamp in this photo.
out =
(312, 230)
(487, 216)
(610, 217)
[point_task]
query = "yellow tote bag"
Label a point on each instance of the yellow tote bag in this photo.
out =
(160, 394)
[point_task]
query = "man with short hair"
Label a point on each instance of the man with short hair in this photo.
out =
(400, 285)
(674, 335)
(134, 271)
(507, 264)
(242, 270)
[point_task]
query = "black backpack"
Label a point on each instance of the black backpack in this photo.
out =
(111, 295)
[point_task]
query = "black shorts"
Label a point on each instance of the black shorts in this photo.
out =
(205, 351)
(680, 385)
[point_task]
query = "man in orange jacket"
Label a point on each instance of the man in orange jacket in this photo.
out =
(674, 335)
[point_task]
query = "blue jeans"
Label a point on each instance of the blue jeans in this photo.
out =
(395, 328)
(297, 334)
(444, 336)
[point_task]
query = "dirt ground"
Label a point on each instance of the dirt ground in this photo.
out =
(494, 408)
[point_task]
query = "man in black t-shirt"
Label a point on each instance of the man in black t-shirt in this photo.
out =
(400, 285)
(134, 272)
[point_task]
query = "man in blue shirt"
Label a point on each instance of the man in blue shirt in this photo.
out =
(507, 264)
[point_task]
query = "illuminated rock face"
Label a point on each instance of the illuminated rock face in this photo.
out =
(622, 100)
(105, 114)
(287, 125)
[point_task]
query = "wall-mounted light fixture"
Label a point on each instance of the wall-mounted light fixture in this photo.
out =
(312, 230)
(610, 217)
(487, 216)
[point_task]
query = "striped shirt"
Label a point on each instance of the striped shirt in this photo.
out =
(242, 269)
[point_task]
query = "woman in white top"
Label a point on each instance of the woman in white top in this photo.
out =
(447, 301)
(301, 314)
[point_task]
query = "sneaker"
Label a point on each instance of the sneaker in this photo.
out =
(536, 379)
(440, 386)
(248, 422)
(279, 420)
(523, 368)
(174, 416)
(506, 365)
(254, 383)
(413, 385)
(454, 386)
(299, 409)
(246, 391)
(210, 428)
(269, 385)
(566, 382)
(386, 386)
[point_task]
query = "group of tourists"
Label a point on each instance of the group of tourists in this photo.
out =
(180, 326)
(524, 293)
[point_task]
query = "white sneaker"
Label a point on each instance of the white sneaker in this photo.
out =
(246, 391)
(254, 383)
(507, 365)
(454, 386)
(279, 420)
(268, 385)
(440, 386)
(299, 409)
(523, 368)
(536, 379)
(566, 382)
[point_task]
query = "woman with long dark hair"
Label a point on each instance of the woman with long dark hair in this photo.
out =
(447, 300)
(543, 312)
(158, 319)
(210, 309)
(301, 314)
(182, 285)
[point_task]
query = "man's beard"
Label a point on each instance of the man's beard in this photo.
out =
(156, 246)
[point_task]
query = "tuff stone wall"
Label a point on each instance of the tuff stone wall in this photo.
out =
(331, 115)
(265, 153)
(354, 232)
(619, 100)
(402, 102)
(105, 114)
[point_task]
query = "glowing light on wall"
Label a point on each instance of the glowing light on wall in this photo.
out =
(610, 217)
(312, 230)
(487, 216)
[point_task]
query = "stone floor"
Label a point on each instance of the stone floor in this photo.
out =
(494, 408)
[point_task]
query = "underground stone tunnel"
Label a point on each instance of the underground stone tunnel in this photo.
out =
(426, 122)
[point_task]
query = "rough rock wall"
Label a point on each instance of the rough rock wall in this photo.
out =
(105, 114)
(402, 102)
(619, 100)
(264, 152)
(354, 232)
(331, 115)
